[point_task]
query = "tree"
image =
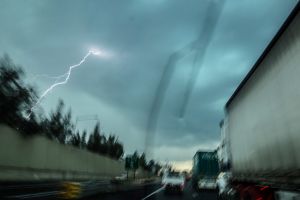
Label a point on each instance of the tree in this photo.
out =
(110, 146)
(115, 149)
(78, 140)
(119, 150)
(135, 160)
(135, 155)
(142, 161)
(150, 165)
(94, 140)
(59, 126)
(16, 98)
(157, 168)
(75, 140)
(83, 140)
(97, 142)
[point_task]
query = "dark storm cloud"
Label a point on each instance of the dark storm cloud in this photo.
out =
(202, 126)
(141, 35)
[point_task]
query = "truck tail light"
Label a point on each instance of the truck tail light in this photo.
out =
(263, 188)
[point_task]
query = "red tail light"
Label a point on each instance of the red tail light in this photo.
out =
(263, 188)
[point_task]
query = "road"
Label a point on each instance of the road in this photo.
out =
(154, 192)
(51, 191)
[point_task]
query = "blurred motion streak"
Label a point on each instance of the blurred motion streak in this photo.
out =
(199, 47)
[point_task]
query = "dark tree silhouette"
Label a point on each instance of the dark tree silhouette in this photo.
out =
(59, 126)
(16, 98)
(119, 150)
(94, 141)
(115, 149)
(110, 146)
(150, 165)
(83, 140)
(75, 140)
(142, 161)
(157, 168)
(135, 154)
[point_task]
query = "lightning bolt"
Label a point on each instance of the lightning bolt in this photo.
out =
(57, 78)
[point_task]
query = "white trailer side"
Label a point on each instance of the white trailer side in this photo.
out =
(262, 123)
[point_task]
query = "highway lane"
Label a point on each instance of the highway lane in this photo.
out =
(188, 194)
(154, 192)
(149, 191)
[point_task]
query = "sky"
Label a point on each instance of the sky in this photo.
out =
(214, 43)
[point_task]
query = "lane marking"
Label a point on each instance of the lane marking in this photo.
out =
(34, 195)
(155, 192)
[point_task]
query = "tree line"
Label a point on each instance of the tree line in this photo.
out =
(150, 166)
(16, 100)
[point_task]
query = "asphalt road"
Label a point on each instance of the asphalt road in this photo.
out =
(155, 192)
(51, 191)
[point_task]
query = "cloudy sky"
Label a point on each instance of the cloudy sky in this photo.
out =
(132, 87)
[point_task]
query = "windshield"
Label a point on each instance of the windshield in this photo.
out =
(100, 94)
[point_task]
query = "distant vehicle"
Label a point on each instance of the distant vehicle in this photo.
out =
(173, 181)
(121, 177)
(260, 133)
(205, 170)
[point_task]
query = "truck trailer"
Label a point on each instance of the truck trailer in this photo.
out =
(205, 170)
(260, 146)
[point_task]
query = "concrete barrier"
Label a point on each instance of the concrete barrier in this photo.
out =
(38, 158)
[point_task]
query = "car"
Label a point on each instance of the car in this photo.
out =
(119, 179)
(207, 183)
(173, 182)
